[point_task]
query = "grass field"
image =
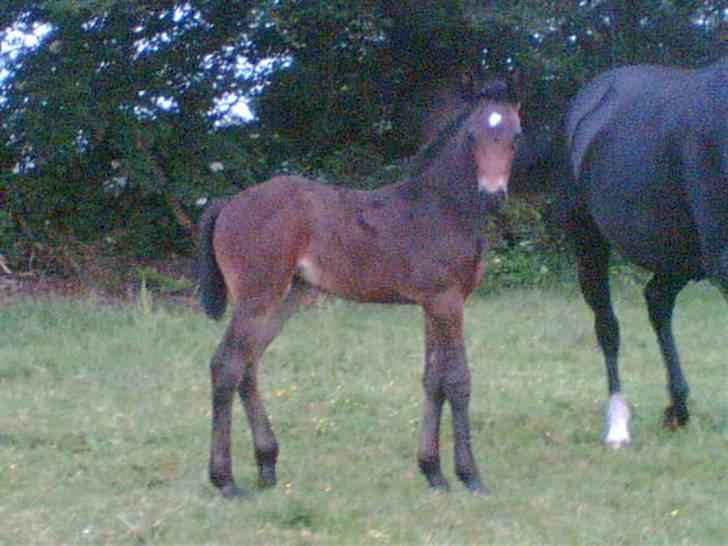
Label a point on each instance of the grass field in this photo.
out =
(104, 424)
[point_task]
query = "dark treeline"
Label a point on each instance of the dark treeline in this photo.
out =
(117, 118)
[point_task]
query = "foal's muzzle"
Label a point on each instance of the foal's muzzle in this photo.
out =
(500, 194)
(492, 201)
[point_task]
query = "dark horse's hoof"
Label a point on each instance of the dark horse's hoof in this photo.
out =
(676, 416)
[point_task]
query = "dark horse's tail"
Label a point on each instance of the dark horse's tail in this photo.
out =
(213, 292)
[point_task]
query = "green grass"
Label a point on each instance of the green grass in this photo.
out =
(104, 420)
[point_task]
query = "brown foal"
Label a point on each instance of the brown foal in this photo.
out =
(419, 241)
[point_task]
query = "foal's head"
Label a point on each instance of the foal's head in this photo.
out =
(493, 130)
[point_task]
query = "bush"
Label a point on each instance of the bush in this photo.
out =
(150, 278)
(525, 249)
(8, 248)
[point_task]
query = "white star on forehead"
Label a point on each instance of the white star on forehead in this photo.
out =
(494, 119)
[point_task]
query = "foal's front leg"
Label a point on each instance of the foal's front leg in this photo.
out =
(429, 450)
(447, 378)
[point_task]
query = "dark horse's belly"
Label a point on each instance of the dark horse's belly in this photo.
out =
(656, 232)
(680, 257)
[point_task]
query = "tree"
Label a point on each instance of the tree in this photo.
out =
(111, 108)
(109, 126)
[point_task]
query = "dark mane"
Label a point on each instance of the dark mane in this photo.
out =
(424, 157)
(496, 91)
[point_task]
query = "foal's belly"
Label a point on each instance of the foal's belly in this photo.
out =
(336, 278)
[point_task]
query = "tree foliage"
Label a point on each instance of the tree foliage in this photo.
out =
(116, 124)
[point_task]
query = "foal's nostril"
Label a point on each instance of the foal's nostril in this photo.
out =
(490, 202)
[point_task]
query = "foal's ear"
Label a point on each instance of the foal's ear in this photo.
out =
(516, 87)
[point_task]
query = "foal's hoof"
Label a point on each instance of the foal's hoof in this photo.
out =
(477, 488)
(676, 417)
(431, 470)
(230, 491)
(267, 479)
(438, 484)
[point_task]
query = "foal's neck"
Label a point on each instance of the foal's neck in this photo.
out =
(451, 184)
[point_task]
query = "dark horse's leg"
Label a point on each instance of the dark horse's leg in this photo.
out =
(660, 294)
(446, 377)
(234, 367)
(592, 256)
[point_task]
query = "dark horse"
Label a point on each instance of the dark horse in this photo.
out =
(648, 158)
(415, 242)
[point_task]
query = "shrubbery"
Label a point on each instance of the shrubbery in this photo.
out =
(115, 120)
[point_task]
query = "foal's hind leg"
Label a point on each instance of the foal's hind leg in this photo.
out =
(660, 294)
(234, 367)
(264, 440)
(227, 368)
(592, 257)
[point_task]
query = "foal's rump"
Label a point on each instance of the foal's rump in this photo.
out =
(259, 237)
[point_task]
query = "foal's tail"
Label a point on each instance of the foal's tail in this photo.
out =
(213, 292)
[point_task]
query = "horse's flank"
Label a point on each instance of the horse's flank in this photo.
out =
(667, 100)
